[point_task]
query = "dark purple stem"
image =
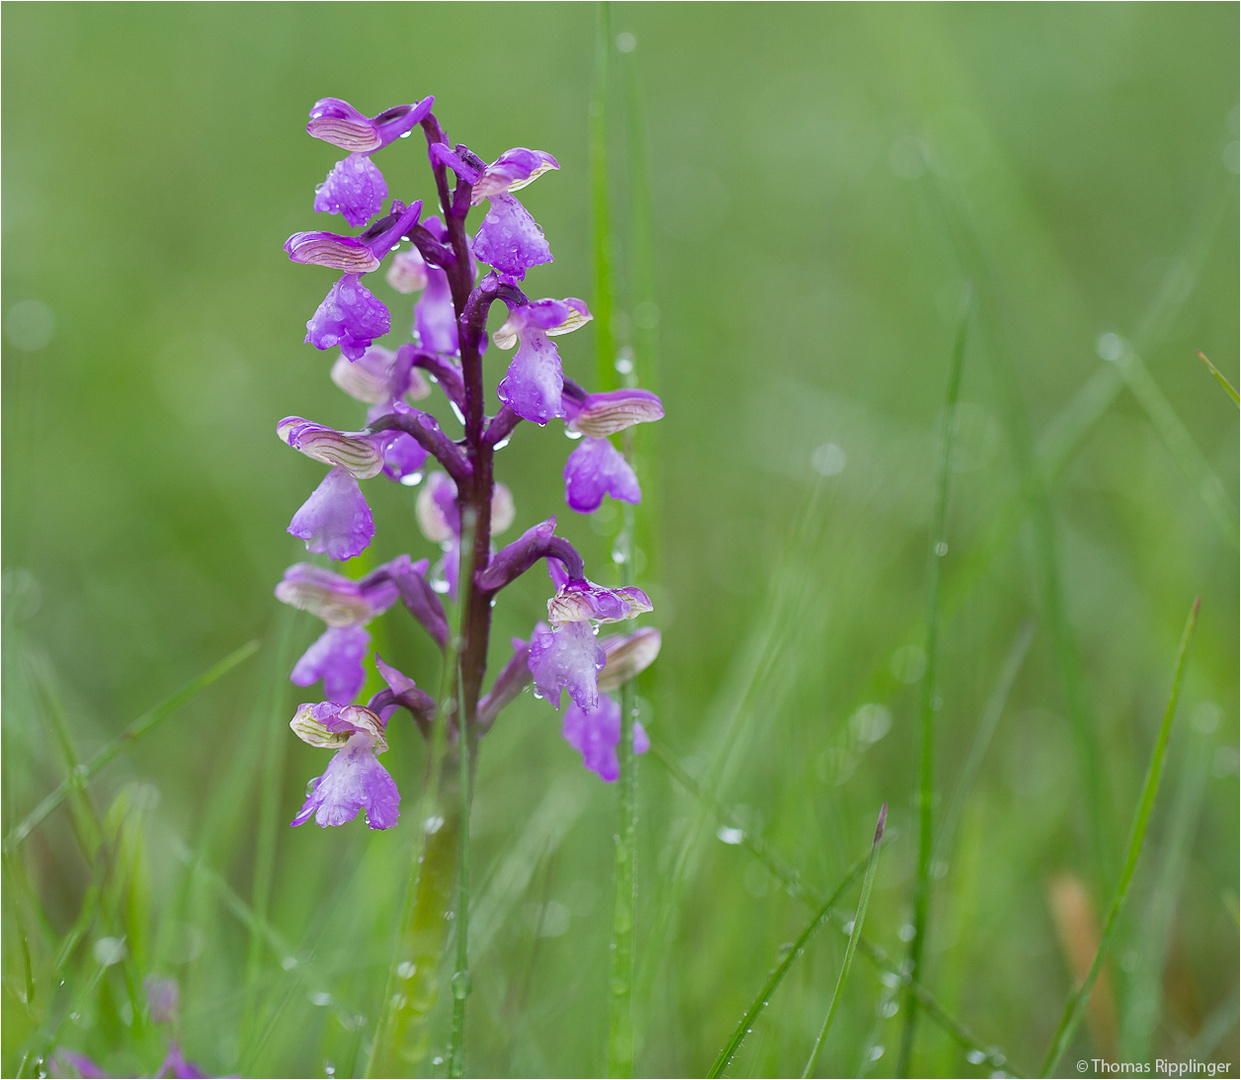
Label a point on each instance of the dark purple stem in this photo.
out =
(446, 373)
(426, 430)
(518, 557)
(419, 703)
(501, 426)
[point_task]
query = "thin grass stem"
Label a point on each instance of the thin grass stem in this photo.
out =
(466, 746)
(982, 739)
(600, 212)
(1137, 834)
(790, 879)
(1229, 389)
(855, 934)
(746, 1024)
(132, 733)
(931, 703)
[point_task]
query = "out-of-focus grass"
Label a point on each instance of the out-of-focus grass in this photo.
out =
(813, 171)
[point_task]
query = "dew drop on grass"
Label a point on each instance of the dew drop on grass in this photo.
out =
(975, 1057)
(437, 1060)
(406, 970)
(941, 549)
(876, 1052)
(461, 985)
(906, 932)
(289, 963)
(729, 835)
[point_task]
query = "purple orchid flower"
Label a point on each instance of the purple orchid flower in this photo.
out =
(509, 239)
(350, 316)
(566, 657)
(380, 376)
(355, 189)
(534, 383)
(601, 415)
(354, 780)
(511, 171)
(596, 733)
(594, 469)
(354, 254)
(339, 123)
(346, 606)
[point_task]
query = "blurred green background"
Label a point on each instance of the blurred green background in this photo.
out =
(825, 180)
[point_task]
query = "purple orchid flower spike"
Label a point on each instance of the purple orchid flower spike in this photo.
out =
(175, 1065)
(354, 780)
(339, 123)
(594, 469)
(350, 316)
(534, 383)
(436, 260)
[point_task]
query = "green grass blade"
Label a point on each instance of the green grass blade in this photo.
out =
(1178, 441)
(790, 879)
(855, 934)
(746, 1023)
(937, 549)
(1142, 1012)
(132, 733)
(1229, 389)
(600, 212)
(982, 740)
(1137, 834)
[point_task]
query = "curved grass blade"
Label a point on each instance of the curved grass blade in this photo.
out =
(1137, 834)
(790, 879)
(1229, 389)
(930, 683)
(777, 976)
(855, 934)
(132, 733)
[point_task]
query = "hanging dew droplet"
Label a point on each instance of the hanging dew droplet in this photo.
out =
(311, 785)
(412, 479)
(456, 411)
(503, 442)
(575, 435)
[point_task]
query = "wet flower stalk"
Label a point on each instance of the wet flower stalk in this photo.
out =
(457, 268)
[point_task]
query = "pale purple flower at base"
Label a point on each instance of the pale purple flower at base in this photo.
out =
(566, 657)
(509, 239)
(594, 469)
(350, 316)
(336, 658)
(355, 189)
(354, 780)
(163, 999)
(335, 520)
(596, 733)
(175, 1065)
(69, 1064)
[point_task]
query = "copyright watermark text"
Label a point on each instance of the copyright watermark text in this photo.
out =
(1158, 1067)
